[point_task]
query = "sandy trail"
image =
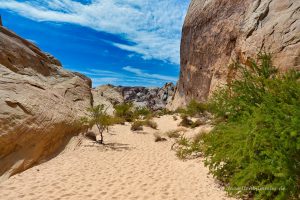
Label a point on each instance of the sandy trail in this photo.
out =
(132, 166)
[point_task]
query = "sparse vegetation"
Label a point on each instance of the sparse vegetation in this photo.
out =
(188, 148)
(137, 126)
(175, 133)
(150, 123)
(97, 116)
(175, 118)
(125, 111)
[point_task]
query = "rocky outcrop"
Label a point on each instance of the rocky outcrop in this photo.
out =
(107, 95)
(153, 98)
(216, 32)
(40, 104)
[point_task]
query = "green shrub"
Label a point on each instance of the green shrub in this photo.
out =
(188, 148)
(143, 112)
(137, 126)
(97, 116)
(195, 108)
(125, 111)
(257, 145)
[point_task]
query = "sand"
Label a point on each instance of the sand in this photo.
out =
(130, 166)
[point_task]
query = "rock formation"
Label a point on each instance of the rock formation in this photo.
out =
(40, 104)
(216, 32)
(153, 98)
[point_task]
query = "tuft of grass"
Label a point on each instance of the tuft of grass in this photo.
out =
(150, 123)
(137, 126)
(175, 133)
(188, 148)
(159, 138)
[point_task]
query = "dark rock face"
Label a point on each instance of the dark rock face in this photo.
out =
(153, 98)
(40, 104)
(216, 32)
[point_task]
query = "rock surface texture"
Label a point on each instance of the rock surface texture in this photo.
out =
(40, 104)
(153, 98)
(216, 32)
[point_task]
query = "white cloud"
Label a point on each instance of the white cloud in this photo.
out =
(136, 77)
(140, 73)
(153, 26)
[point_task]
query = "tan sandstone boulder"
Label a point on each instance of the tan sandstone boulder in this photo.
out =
(40, 104)
(215, 32)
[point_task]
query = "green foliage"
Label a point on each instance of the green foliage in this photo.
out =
(144, 112)
(97, 116)
(258, 143)
(188, 148)
(125, 111)
(195, 108)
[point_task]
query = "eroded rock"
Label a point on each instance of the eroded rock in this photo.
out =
(216, 32)
(40, 104)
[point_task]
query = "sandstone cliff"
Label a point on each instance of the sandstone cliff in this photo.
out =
(40, 104)
(215, 32)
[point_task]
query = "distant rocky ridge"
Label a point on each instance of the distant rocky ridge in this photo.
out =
(217, 32)
(154, 98)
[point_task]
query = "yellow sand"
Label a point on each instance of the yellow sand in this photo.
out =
(131, 166)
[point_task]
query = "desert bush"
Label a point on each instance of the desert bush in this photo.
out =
(150, 123)
(137, 125)
(195, 108)
(175, 118)
(188, 148)
(257, 145)
(125, 111)
(143, 112)
(97, 116)
(117, 120)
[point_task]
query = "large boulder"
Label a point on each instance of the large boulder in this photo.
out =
(40, 104)
(107, 95)
(216, 32)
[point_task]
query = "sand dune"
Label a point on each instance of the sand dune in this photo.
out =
(130, 166)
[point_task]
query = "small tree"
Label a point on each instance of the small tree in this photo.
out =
(98, 116)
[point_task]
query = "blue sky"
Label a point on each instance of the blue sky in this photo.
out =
(121, 42)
